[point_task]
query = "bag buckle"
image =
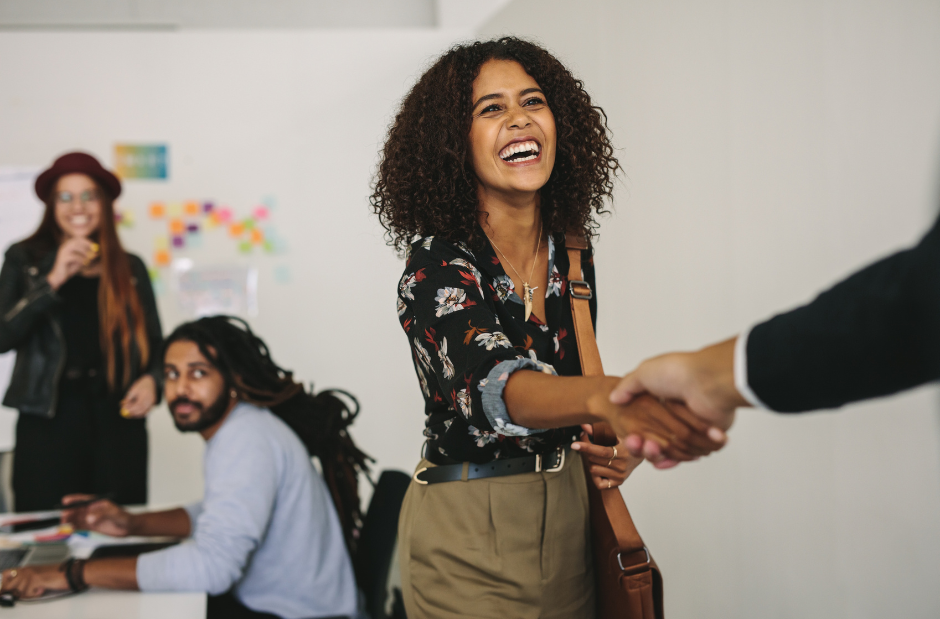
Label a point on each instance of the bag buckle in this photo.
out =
(559, 464)
(418, 472)
(580, 295)
(633, 569)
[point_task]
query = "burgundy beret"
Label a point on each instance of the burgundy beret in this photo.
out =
(76, 163)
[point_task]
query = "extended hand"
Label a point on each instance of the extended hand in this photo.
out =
(140, 398)
(101, 516)
(680, 434)
(703, 381)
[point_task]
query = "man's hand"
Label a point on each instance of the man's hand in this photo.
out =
(679, 434)
(700, 382)
(31, 582)
(101, 516)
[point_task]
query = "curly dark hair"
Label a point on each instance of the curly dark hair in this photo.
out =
(425, 184)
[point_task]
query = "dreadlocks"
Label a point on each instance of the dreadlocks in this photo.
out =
(320, 420)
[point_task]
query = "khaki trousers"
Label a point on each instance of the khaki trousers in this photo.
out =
(512, 547)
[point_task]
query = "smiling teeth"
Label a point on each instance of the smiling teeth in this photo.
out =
(80, 220)
(520, 147)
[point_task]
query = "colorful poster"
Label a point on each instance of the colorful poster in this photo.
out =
(149, 161)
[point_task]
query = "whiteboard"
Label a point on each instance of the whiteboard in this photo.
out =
(20, 212)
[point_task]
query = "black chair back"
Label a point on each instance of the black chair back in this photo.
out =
(377, 543)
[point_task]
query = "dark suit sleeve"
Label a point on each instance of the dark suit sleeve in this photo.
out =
(873, 334)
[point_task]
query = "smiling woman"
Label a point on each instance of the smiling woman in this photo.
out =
(81, 315)
(496, 161)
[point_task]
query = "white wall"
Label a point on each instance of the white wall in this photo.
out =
(300, 116)
(769, 149)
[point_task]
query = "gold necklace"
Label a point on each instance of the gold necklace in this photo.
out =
(526, 289)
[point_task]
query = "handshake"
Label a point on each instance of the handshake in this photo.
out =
(685, 403)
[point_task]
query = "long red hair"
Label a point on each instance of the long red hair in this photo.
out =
(120, 313)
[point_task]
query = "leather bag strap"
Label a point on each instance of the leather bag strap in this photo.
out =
(627, 561)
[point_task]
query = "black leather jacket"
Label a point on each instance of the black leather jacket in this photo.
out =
(31, 323)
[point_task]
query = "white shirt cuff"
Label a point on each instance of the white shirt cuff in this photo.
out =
(740, 371)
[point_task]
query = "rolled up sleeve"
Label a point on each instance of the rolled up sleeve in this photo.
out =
(493, 404)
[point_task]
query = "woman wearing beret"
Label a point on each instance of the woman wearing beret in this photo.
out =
(495, 161)
(81, 315)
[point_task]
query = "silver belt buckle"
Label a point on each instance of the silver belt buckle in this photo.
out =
(560, 465)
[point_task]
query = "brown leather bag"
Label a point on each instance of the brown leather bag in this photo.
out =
(629, 584)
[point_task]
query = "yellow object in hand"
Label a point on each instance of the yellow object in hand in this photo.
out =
(125, 412)
(92, 253)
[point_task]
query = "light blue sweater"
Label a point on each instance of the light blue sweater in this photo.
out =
(266, 527)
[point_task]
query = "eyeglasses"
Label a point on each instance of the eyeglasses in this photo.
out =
(89, 196)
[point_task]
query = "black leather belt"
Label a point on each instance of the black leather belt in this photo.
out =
(465, 471)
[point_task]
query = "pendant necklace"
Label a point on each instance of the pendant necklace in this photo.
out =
(526, 289)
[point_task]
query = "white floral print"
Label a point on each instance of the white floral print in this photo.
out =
(504, 287)
(401, 306)
(450, 300)
(493, 340)
(483, 437)
(423, 355)
(408, 282)
(555, 282)
(445, 360)
(463, 401)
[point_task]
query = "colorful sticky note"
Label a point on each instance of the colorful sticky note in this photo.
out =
(248, 223)
(177, 226)
(179, 242)
(212, 220)
(194, 241)
(245, 247)
(257, 236)
(161, 242)
(174, 209)
(268, 246)
(192, 228)
(260, 213)
(161, 257)
(225, 214)
(208, 207)
(191, 208)
(156, 210)
(235, 230)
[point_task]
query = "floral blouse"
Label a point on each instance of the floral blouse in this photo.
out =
(466, 329)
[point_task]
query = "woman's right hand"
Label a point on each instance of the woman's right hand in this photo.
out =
(681, 434)
(73, 254)
(101, 516)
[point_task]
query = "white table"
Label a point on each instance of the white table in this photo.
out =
(105, 604)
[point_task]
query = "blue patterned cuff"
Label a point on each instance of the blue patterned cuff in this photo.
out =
(492, 394)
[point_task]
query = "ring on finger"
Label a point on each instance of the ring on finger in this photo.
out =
(608, 484)
(609, 462)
